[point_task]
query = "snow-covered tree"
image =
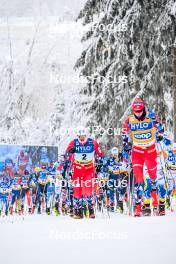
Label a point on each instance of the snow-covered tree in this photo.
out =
(37, 95)
(128, 54)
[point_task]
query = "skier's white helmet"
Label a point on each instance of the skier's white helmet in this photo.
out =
(114, 151)
(81, 131)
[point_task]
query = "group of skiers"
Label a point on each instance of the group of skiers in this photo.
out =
(138, 180)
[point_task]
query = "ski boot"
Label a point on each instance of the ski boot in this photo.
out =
(162, 209)
(18, 207)
(71, 211)
(112, 208)
(155, 210)
(137, 210)
(120, 207)
(30, 211)
(64, 209)
(57, 213)
(78, 213)
(168, 203)
(56, 209)
(91, 212)
(11, 210)
(146, 210)
(154, 201)
(39, 210)
(22, 210)
(86, 211)
(33, 209)
(99, 205)
(48, 211)
(107, 203)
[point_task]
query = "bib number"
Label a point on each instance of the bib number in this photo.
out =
(84, 156)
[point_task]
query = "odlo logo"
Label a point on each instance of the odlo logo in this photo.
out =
(143, 136)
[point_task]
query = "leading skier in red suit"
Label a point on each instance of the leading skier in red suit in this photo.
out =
(145, 130)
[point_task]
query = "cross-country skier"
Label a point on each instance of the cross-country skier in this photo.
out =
(16, 194)
(83, 150)
(114, 172)
(118, 171)
(5, 196)
(41, 190)
(171, 167)
(33, 188)
(163, 181)
(26, 195)
(144, 127)
(50, 189)
(58, 186)
(101, 186)
(161, 192)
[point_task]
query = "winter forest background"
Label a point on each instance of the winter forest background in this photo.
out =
(121, 49)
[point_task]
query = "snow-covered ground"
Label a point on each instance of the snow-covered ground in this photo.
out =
(118, 239)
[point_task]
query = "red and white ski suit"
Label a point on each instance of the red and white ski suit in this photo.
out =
(84, 166)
